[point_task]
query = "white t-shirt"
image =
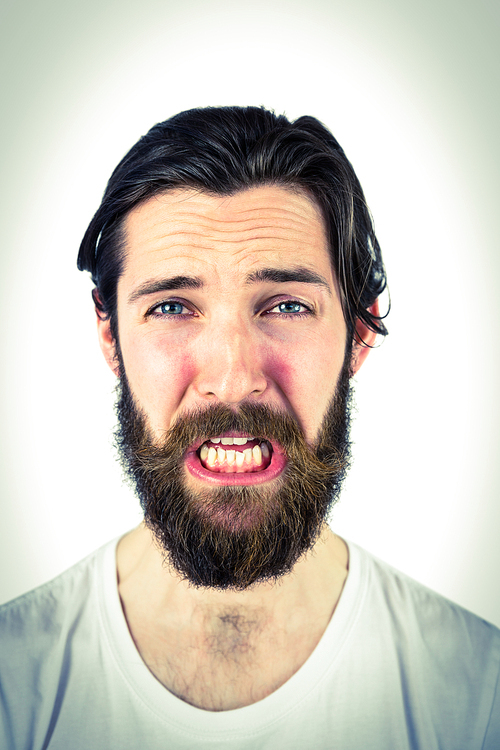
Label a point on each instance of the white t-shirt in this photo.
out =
(397, 667)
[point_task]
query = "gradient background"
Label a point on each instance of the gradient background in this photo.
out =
(412, 93)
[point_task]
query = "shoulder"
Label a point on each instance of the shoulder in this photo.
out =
(35, 624)
(434, 635)
(413, 596)
(446, 658)
(18, 615)
(41, 636)
(411, 605)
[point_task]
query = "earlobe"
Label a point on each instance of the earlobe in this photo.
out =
(107, 342)
(363, 341)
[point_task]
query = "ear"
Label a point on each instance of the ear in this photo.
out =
(364, 339)
(107, 342)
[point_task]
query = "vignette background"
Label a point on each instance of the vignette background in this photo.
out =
(411, 93)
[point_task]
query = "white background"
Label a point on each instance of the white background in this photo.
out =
(411, 92)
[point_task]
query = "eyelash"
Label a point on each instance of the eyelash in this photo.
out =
(304, 313)
(154, 311)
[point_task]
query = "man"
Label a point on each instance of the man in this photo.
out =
(236, 278)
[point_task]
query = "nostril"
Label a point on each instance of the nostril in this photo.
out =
(230, 388)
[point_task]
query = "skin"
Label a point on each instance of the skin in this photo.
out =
(232, 336)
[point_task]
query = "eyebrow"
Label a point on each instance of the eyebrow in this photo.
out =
(285, 275)
(275, 275)
(166, 285)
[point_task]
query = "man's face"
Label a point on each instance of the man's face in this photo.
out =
(202, 321)
(229, 302)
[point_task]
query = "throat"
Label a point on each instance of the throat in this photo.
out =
(217, 651)
(233, 634)
(236, 659)
(239, 660)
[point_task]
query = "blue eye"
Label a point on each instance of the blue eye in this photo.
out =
(171, 308)
(290, 307)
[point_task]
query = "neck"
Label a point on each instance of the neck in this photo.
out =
(322, 568)
(192, 639)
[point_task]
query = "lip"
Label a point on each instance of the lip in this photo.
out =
(195, 468)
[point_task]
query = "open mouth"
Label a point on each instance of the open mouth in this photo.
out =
(238, 455)
(236, 459)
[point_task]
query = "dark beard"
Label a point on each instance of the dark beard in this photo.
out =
(232, 537)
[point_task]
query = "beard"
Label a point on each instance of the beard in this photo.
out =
(235, 536)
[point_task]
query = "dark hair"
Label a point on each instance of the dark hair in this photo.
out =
(222, 150)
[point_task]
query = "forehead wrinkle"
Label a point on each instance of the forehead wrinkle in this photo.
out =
(242, 215)
(213, 244)
(178, 229)
(204, 228)
(287, 217)
(187, 245)
(231, 229)
(198, 236)
(296, 212)
(272, 217)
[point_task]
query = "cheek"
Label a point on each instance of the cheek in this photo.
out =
(307, 377)
(159, 376)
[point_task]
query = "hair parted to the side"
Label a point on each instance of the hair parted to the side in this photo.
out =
(223, 150)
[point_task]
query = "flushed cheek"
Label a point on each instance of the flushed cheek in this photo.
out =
(307, 389)
(159, 382)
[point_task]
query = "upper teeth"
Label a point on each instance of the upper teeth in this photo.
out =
(255, 454)
(231, 440)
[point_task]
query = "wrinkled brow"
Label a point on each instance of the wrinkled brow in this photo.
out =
(275, 275)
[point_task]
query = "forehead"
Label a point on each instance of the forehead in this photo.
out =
(254, 227)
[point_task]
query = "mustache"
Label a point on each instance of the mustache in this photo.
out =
(258, 420)
(198, 425)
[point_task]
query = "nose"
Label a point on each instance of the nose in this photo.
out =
(229, 364)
